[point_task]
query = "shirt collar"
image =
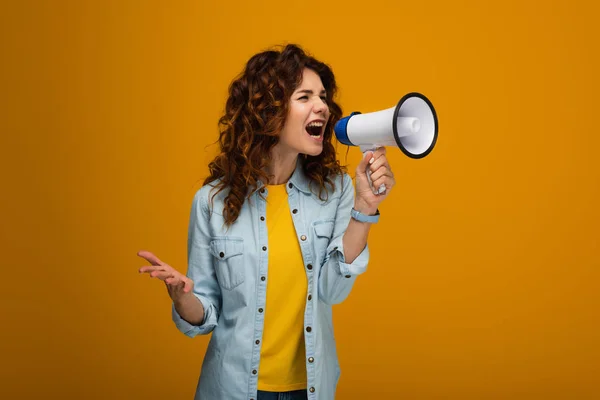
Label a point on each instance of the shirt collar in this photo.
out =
(298, 178)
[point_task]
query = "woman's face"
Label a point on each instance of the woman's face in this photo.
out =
(307, 117)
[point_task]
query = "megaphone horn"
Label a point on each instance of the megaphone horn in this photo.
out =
(411, 125)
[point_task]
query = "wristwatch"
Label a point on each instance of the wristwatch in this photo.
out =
(365, 218)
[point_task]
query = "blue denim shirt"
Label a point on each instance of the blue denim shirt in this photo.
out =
(229, 270)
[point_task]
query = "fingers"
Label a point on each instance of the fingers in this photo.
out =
(361, 168)
(386, 181)
(372, 158)
(383, 176)
(157, 271)
(175, 279)
(151, 258)
(175, 283)
(380, 167)
(379, 152)
(149, 270)
(376, 165)
(378, 162)
(162, 275)
(171, 277)
(381, 173)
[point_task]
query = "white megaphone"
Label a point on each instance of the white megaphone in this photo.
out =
(411, 125)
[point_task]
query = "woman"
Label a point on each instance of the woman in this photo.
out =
(277, 235)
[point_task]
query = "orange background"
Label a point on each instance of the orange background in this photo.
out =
(484, 280)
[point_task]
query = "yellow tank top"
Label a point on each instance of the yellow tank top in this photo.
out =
(282, 360)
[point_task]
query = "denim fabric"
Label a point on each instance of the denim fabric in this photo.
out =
(229, 268)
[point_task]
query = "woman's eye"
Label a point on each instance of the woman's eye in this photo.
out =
(303, 98)
(324, 99)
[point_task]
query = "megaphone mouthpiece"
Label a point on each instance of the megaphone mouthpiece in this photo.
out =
(408, 126)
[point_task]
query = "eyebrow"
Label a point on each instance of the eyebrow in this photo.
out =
(308, 91)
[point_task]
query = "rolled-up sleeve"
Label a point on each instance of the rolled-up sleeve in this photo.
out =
(200, 269)
(336, 277)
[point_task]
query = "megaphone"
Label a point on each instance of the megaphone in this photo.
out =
(411, 125)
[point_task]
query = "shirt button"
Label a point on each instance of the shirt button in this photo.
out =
(257, 342)
(312, 389)
(303, 237)
(308, 329)
(254, 372)
(262, 278)
(262, 218)
(264, 248)
(290, 185)
(294, 211)
(260, 310)
(311, 360)
(262, 190)
(310, 297)
(309, 266)
(222, 254)
(348, 276)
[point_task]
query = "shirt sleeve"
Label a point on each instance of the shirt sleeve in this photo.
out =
(336, 277)
(200, 269)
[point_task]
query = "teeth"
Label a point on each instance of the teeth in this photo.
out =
(316, 124)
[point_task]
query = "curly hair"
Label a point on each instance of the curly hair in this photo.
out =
(255, 113)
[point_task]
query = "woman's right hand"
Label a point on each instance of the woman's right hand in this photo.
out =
(178, 285)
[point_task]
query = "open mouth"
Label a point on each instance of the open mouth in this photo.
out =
(315, 129)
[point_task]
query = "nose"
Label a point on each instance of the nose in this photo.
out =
(320, 106)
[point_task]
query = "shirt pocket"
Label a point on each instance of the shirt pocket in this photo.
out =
(229, 265)
(323, 231)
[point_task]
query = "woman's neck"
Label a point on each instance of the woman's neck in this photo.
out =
(282, 167)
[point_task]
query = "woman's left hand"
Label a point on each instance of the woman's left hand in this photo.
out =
(366, 201)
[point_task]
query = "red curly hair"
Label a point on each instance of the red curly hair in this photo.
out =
(254, 116)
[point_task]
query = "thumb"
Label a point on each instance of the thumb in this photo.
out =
(151, 258)
(361, 169)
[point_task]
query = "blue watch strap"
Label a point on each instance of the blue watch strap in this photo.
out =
(365, 218)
